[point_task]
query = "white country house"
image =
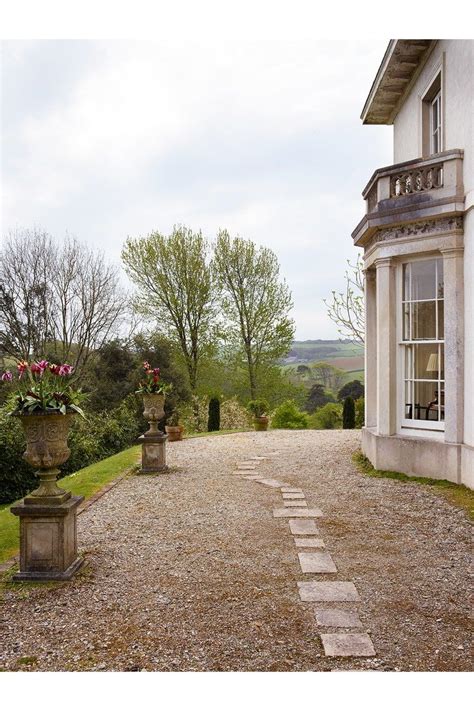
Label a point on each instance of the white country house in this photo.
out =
(418, 241)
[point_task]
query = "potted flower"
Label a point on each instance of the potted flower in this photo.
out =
(153, 391)
(45, 401)
(173, 429)
(259, 409)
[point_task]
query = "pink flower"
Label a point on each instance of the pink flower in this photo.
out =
(54, 369)
(146, 365)
(65, 369)
(7, 376)
(22, 366)
(156, 371)
(39, 367)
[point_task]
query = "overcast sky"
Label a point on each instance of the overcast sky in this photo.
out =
(105, 139)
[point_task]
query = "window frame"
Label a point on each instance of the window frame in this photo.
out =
(436, 133)
(424, 428)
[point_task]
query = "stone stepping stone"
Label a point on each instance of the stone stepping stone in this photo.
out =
(303, 528)
(295, 495)
(254, 477)
(300, 513)
(337, 618)
(291, 490)
(320, 562)
(245, 467)
(349, 644)
(295, 503)
(328, 591)
(274, 483)
(309, 542)
(257, 459)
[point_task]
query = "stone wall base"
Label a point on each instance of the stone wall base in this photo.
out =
(417, 456)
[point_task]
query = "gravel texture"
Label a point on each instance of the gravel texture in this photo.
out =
(189, 570)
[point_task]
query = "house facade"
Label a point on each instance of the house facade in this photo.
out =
(418, 241)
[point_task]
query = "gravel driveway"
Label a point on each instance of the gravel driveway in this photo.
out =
(189, 570)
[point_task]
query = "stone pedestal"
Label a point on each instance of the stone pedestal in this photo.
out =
(48, 539)
(153, 452)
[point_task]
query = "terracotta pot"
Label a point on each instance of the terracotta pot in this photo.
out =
(175, 433)
(261, 423)
(46, 448)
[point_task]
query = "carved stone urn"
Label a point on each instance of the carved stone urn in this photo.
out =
(48, 538)
(46, 449)
(153, 441)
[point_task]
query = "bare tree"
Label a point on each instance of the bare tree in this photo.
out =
(59, 299)
(347, 308)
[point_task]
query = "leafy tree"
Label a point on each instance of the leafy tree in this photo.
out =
(354, 389)
(360, 413)
(327, 374)
(328, 417)
(347, 307)
(348, 414)
(175, 288)
(317, 397)
(214, 419)
(255, 303)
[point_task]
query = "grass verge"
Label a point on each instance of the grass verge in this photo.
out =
(217, 432)
(457, 494)
(84, 482)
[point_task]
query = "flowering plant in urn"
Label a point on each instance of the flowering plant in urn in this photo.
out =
(45, 401)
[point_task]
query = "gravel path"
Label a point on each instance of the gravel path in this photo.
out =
(190, 571)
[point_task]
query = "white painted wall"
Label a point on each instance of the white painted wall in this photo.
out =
(456, 59)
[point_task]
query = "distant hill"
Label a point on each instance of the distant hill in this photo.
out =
(345, 355)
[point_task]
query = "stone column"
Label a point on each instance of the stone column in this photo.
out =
(454, 343)
(370, 365)
(386, 347)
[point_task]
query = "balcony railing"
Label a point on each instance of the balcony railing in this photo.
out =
(411, 191)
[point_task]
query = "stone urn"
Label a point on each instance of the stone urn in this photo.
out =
(154, 410)
(261, 423)
(48, 534)
(46, 449)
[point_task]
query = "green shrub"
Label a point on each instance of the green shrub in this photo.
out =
(328, 417)
(214, 419)
(360, 413)
(234, 416)
(258, 408)
(16, 476)
(348, 414)
(288, 417)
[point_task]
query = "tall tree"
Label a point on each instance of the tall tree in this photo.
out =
(61, 300)
(255, 302)
(175, 289)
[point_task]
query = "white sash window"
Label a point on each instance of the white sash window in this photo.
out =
(423, 344)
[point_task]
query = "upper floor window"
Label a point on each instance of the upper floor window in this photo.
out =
(432, 118)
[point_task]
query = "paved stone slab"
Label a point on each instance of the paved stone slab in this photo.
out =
(293, 496)
(247, 463)
(317, 562)
(351, 644)
(257, 459)
(291, 490)
(309, 542)
(295, 503)
(328, 591)
(253, 477)
(294, 513)
(305, 528)
(274, 483)
(337, 618)
(245, 467)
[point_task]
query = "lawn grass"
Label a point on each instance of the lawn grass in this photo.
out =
(216, 432)
(457, 494)
(84, 482)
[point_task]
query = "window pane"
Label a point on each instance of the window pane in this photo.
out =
(406, 282)
(423, 280)
(408, 400)
(440, 320)
(406, 322)
(426, 402)
(426, 365)
(423, 321)
(440, 279)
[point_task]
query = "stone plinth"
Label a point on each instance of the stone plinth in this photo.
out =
(48, 539)
(153, 453)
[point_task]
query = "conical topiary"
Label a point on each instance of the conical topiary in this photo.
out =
(214, 419)
(348, 414)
